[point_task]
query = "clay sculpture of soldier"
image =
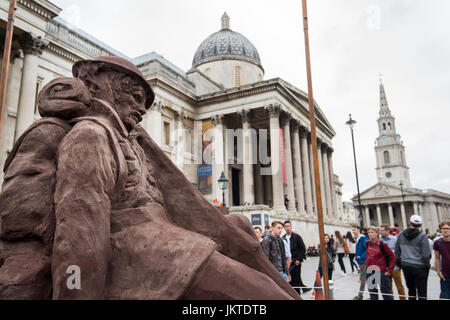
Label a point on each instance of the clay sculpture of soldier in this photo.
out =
(87, 189)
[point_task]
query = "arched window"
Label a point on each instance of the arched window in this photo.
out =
(386, 157)
(389, 125)
(384, 126)
(237, 76)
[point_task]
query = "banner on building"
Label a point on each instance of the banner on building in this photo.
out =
(204, 170)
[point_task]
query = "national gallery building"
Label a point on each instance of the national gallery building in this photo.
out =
(220, 116)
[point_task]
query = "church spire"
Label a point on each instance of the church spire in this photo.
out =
(384, 108)
(225, 21)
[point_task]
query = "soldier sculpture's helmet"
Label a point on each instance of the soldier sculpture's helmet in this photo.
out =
(123, 66)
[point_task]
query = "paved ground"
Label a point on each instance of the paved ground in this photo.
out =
(346, 287)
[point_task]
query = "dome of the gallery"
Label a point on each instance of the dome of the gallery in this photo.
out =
(226, 44)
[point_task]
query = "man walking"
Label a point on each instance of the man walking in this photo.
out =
(298, 252)
(273, 247)
(396, 275)
(361, 247)
(441, 249)
(413, 256)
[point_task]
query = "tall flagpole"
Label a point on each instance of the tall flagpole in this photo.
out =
(312, 119)
(6, 57)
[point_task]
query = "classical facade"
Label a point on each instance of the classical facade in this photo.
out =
(393, 200)
(219, 116)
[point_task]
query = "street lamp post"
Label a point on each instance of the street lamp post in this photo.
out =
(351, 123)
(223, 183)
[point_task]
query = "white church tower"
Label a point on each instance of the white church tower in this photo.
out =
(389, 149)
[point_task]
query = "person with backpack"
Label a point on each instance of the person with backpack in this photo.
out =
(351, 244)
(380, 262)
(396, 275)
(360, 259)
(441, 249)
(413, 257)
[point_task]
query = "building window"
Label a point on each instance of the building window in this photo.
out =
(384, 126)
(237, 76)
(389, 125)
(208, 72)
(166, 133)
(387, 160)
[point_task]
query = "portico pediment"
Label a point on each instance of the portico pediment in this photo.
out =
(381, 190)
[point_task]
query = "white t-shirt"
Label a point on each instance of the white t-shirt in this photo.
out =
(287, 248)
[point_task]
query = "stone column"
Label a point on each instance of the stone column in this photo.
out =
(322, 179)
(297, 167)
(268, 190)
(306, 171)
(333, 185)
(259, 184)
(312, 178)
(277, 174)
(154, 127)
(363, 214)
(402, 208)
(367, 213)
(32, 48)
(416, 207)
(380, 220)
(440, 213)
(285, 122)
(248, 145)
(327, 179)
(434, 217)
(218, 162)
(179, 136)
(391, 215)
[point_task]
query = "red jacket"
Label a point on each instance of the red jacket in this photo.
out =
(374, 256)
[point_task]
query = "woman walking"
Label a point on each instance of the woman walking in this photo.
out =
(351, 243)
(340, 250)
(329, 255)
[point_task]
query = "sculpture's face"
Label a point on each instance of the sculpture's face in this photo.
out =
(129, 101)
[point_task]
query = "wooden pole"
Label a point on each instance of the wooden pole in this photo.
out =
(312, 119)
(5, 62)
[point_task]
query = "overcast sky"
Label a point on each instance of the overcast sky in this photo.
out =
(352, 42)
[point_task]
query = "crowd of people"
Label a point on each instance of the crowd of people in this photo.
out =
(375, 253)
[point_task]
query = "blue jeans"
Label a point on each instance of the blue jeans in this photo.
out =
(284, 275)
(445, 289)
(375, 279)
